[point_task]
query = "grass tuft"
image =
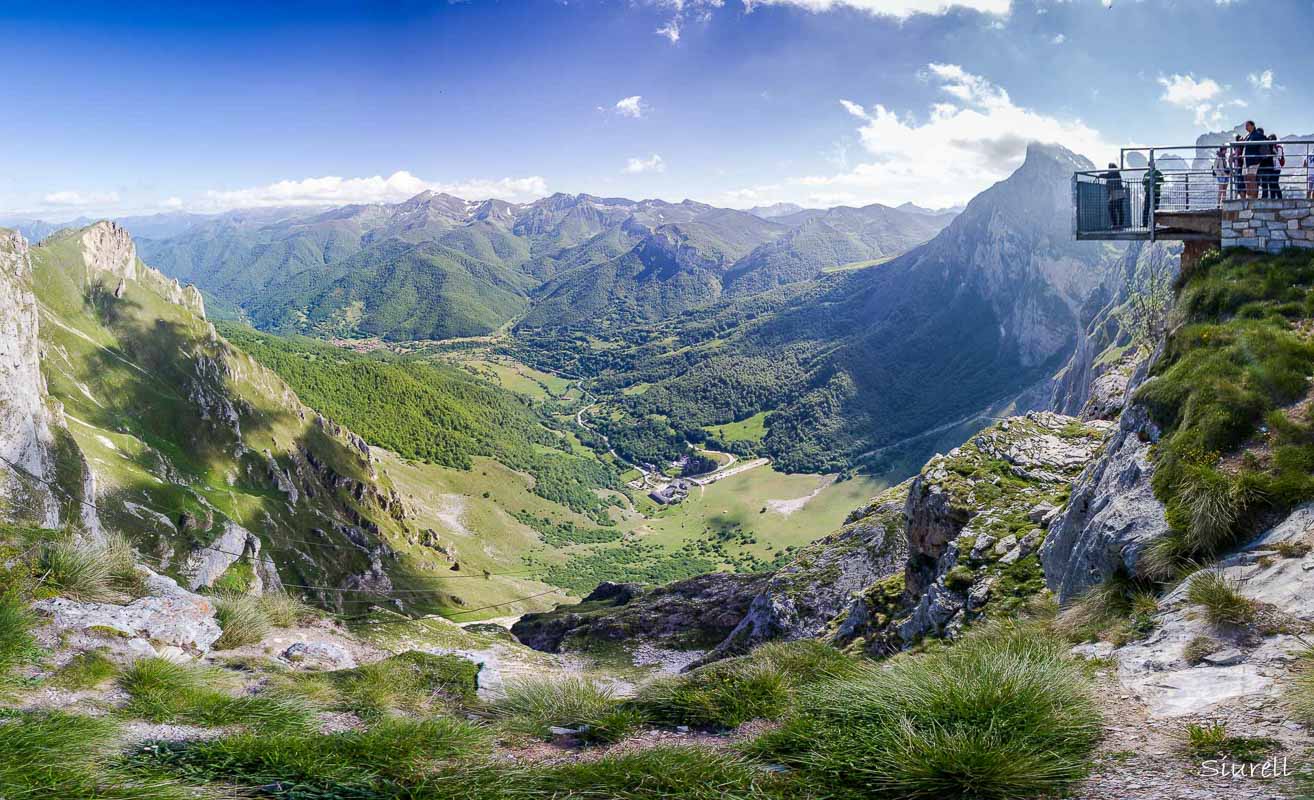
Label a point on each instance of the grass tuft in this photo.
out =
(1118, 610)
(57, 755)
(1208, 741)
(242, 619)
(283, 610)
(1221, 599)
(160, 690)
(394, 749)
(1199, 648)
(86, 670)
(718, 696)
(77, 571)
(17, 645)
(1004, 713)
(533, 705)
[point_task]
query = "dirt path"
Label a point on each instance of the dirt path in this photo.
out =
(1142, 758)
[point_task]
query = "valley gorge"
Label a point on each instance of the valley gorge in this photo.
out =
(455, 530)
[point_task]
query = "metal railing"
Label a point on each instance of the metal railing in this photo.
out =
(1126, 201)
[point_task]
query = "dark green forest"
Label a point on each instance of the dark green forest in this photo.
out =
(431, 412)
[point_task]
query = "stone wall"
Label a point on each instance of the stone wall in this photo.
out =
(1268, 225)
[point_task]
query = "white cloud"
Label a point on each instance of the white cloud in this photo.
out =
(401, 185)
(973, 137)
(1187, 92)
(632, 107)
(1059, 38)
(173, 203)
(72, 199)
(681, 12)
(899, 9)
(1206, 97)
(1262, 81)
(654, 163)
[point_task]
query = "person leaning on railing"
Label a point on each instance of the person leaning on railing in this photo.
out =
(1153, 185)
(1222, 172)
(1117, 197)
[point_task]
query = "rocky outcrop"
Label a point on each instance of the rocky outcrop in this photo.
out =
(1275, 572)
(800, 600)
(109, 253)
(27, 443)
(975, 520)
(696, 613)
(170, 622)
(1113, 514)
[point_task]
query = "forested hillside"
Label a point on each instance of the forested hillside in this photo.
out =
(432, 412)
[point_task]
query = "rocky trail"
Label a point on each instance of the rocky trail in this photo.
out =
(1145, 757)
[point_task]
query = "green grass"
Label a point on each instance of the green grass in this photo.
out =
(77, 571)
(412, 682)
(392, 750)
(57, 755)
(160, 690)
(285, 611)
(17, 645)
(719, 696)
(1221, 599)
(750, 429)
(1119, 610)
(86, 670)
(1239, 362)
(533, 705)
(242, 620)
(1199, 648)
(1004, 713)
(1211, 741)
(852, 265)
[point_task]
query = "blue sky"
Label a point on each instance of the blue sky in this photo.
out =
(140, 107)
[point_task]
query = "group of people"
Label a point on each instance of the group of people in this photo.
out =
(1252, 165)
(1119, 200)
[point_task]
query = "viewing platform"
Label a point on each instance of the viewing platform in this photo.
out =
(1257, 195)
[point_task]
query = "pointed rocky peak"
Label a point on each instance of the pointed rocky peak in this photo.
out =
(13, 252)
(108, 249)
(1048, 156)
(494, 210)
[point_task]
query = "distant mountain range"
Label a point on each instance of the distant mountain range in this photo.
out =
(436, 266)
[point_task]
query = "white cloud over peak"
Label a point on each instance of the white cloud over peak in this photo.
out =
(632, 107)
(635, 166)
(72, 199)
(972, 137)
(399, 186)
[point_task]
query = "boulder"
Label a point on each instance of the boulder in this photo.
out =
(319, 656)
(1112, 515)
(178, 621)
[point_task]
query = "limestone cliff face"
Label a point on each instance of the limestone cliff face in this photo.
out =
(203, 458)
(109, 251)
(26, 440)
(1094, 381)
(975, 519)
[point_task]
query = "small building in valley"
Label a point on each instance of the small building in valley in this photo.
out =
(671, 493)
